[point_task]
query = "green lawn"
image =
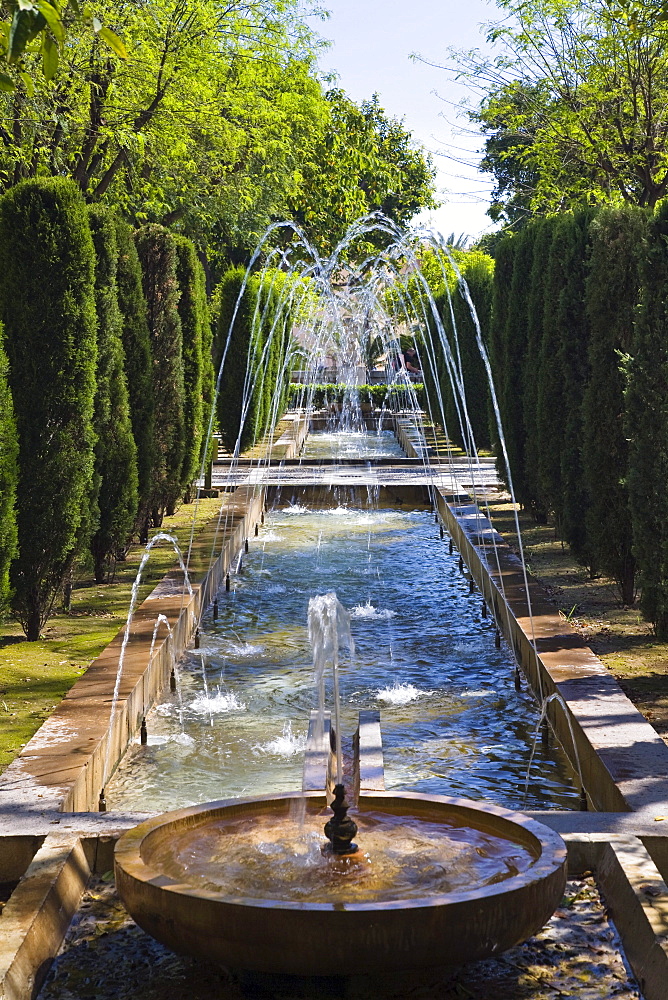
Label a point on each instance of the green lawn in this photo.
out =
(34, 676)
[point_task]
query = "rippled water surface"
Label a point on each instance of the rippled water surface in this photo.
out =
(352, 444)
(452, 721)
(400, 857)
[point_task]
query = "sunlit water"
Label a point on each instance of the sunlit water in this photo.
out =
(399, 857)
(452, 721)
(352, 444)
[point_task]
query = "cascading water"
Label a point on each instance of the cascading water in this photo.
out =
(425, 669)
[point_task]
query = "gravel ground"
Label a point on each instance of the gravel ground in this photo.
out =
(107, 957)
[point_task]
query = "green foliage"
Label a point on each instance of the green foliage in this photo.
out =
(37, 33)
(208, 124)
(550, 408)
(47, 305)
(513, 353)
(477, 272)
(250, 397)
(8, 479)
(156, 248)
(115, 451)
(364, 162)
(195, 329)
(503, 276)
(573, 105)
(647, 426)
(574, 351)
(138, 362)
(542, 239)
(324, 394)
(612, 295)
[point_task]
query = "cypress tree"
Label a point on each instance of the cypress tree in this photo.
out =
(612, 293)
(138, 362)
(157, 254)
(514, 354)
(47, 305)
(194, 314)
(574, 367)
(647, 426)
(543, 233)
(478, 274)
(503, 276)
(115, 450)
(8, 479)
(550, 415)
(241, 354)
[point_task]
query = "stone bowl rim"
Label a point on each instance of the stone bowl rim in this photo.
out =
(553, 853)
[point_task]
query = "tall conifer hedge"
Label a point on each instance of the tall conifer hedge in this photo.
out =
(257, 344)
(47, 305)
(647, 426)
(617, 236)
(503, 276)
(115, 450)
(535, 292)
(8, 478)
(574, 366)
(138, 363)
(194, 313)
(157, 253)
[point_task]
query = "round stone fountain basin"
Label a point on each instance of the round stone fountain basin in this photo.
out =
(219, 911)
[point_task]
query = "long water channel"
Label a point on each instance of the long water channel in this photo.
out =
(451, 719)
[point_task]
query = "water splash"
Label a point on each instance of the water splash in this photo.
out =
(402, 694)
(286, 745)
(328, 627)
(161, 536)
(369, 612)
(220, 703)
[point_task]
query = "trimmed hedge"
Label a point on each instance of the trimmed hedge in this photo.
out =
(116, 482)
(47, 305)
(324, 394)
(8, 478)
(157, 252)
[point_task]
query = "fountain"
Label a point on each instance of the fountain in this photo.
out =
(254, 884)
(433, 880)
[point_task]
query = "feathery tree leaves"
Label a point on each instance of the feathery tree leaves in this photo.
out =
(574, 105)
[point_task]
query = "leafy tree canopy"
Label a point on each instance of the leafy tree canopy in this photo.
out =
(363, 162)
(574, 106)
(207, 123)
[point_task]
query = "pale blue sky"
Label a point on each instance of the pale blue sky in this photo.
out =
(372, 43)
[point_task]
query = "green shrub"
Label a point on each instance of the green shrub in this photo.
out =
(8, 479)
(647, 426)
(47, 305)
(195, 330)
(115, 450)
(324, 394)
(611, 301)
(157, 254)
(253, 347)
(543, 234)
(138, 363)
